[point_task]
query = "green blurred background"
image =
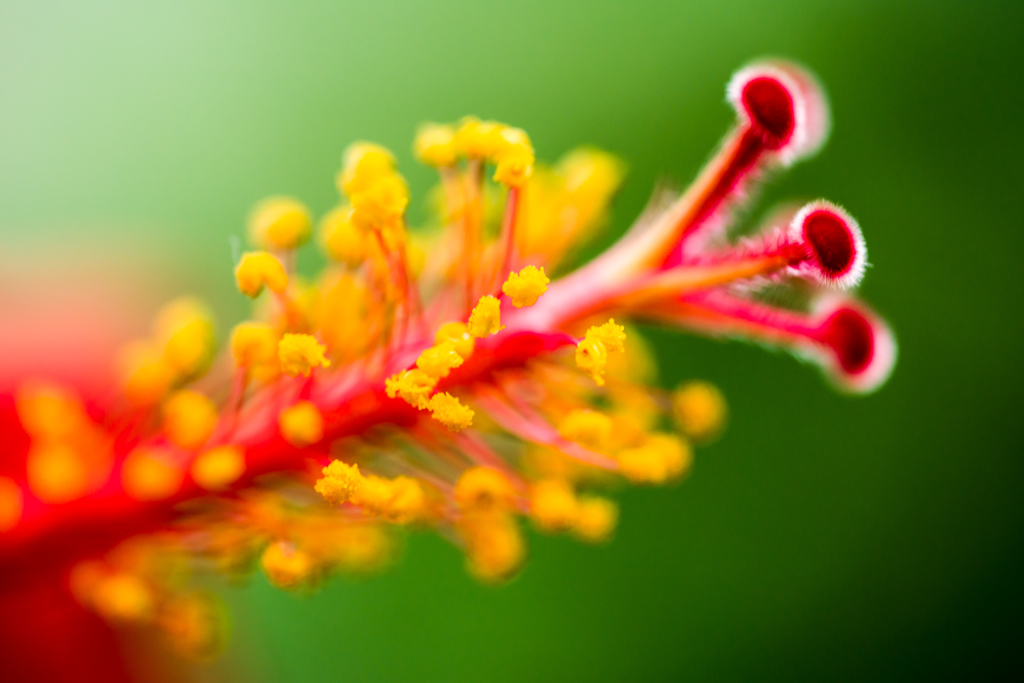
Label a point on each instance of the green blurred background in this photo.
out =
(824, 537)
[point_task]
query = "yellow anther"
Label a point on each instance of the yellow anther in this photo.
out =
(194, 625)
(595, 519)
(346, 304)
(380, 205)
(341, 239)
(592, 352)
(611, 335)
(478, 139)
(588, 428)
(567, 204)
(438, 360)
(661, 458)
(363, 548)
(145, 373)
(458, 335)
(184, 328)
(11, 504)
(435, 145)
(149, 474)
(592, 358)
(279, 223)
(482, 489)
(486, 317)
(123, 597)
(514, 158)
(253, 344)
(218, 467)
(414, 386)
(189, 418)
(374, 493)
(57, 473)
(257, 269)
(362, 164)
(700, 410)
(301, 424)
(526, 286)
(400, 500)
(553, 505)
(285, 565)
(48, 410)
(340, 482)
(408, 502)
(591, 176)
(450, 412)
(300, 353)
(494, 545)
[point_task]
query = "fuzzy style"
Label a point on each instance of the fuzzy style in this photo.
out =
(458, 377)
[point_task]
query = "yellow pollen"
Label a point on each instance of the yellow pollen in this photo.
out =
(184, 328)
(611, 335)
(485, 318)
(219, 467)
(341, 239)
(553, 505)
(345, 305)
(189, 418)
(449, 411)
(459, 336)
(253, 344)
(123, 597)
(363, 163)
(408, 502)
(374, 493)
(339, 483)
(434, 145)
(700, 410)
(257, 269)
(414, 386)
(381, 205)
(48, 410)
(438, 360)
(494, 545)
(591, 174)
(279, 223)
(588, 428)
(481, 489)
(300, 353)
(401, 500)
(148, 474)
(595, 519)
(514, 158)
(592, 352)
(57, 473)
(661, 458)
(478, 139)
(526, 286)
(11, 504)
(301, 424)
(362, 548)
(146, 376)
(285, 565)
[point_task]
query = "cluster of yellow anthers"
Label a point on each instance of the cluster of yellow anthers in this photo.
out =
(383, 322)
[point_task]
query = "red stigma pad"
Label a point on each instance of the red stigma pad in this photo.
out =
(851, 337)
(770, 107)
(829, 237)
